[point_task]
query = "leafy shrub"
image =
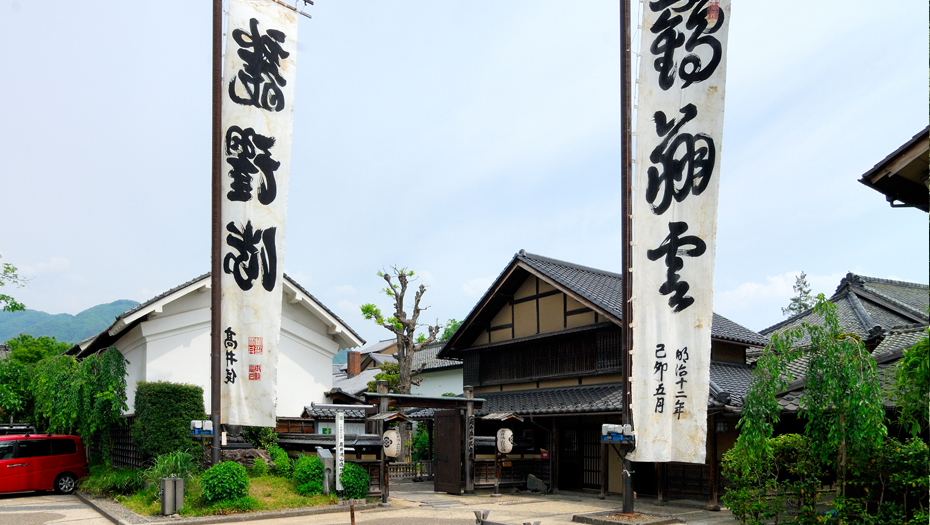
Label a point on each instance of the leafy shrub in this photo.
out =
(106, 481)
(261, 437)
(312, 488)
(177, 464)
(282, 463)
(355, 481)
(420, 448)
(225, 481)
(308, 475)
(259, 468)
(163, 414)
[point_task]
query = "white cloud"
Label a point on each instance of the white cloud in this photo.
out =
(53, 265)
(302, 278)
(426, 277)
(477, 286)
(345, 289)
(758, 305)
(347, 307)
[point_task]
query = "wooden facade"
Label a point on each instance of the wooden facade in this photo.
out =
(533, 337)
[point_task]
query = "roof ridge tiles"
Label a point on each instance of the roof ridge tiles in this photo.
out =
(523, 254)
(906, 328)
(867, 322)
(867, 279)
(895, 302)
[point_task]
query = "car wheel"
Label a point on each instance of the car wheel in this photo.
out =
(65, 483)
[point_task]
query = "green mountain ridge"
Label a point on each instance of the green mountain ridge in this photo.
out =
(64, 327)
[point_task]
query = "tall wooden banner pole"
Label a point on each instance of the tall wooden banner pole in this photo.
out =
(216, 234)
(626, 168)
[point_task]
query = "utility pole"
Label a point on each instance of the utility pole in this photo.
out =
(626, 168)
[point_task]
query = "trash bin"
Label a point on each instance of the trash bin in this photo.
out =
(172, 495)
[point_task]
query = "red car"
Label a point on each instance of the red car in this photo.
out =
(41, 462)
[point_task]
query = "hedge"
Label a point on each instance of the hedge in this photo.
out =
(163, 415)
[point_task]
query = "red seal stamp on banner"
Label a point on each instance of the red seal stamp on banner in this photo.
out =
(713, 11)
(255, 372)
(255, 345)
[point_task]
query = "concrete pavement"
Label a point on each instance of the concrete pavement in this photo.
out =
(41, 508)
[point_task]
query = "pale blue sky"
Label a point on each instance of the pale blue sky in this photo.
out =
(446, 136)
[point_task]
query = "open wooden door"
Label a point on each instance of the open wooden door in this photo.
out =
(448, 475)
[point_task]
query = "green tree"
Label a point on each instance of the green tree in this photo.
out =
(451, 327)
(402, 325)
(912, 387)
(844, 418)
(842, 401)
(80, 398)
(404, 328)
(9, 275)
(802, 301)
(15, 393)
(390, 372)
(28, 349)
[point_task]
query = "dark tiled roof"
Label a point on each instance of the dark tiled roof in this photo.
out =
(598, 286)
(790, 401)
(377, 347)
(562, 400)
(898, 339)
(329, 440)
(354, 385)
(426, 358)
(730, 378)
(867, 307)
(604, 289)
(381, 359)
(317, 413)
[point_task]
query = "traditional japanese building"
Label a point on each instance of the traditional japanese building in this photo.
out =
(542, 348)
(888, 316)
(902, 176)
(167, 338)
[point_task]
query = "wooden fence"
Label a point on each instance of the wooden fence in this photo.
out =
(513, 471)
(410, 470)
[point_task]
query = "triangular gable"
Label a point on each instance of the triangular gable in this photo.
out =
(293, 294)
(537, 295)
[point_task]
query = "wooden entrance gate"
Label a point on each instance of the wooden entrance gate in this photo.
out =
(448, 476)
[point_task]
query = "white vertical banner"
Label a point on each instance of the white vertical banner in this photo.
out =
(257, 117)
(340, 447)
(679, 129)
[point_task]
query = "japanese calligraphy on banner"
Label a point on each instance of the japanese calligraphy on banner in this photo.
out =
(257, 116)
(678, 138)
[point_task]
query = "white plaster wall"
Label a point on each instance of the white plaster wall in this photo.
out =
(178, 349)
(435, 384)
(132, 346)
(174, 345)
(304, 367)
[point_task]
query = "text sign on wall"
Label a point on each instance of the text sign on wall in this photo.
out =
(257, 116)
(679, 131)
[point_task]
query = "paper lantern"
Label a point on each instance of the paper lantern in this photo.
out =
(391, 443)
(504, 440)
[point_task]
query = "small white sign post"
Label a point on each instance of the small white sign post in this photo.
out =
(340, 448)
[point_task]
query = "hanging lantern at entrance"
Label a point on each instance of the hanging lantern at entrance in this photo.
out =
(391, 443)
(504, 440)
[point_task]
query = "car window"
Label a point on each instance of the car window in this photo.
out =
(63, 446)
(6, 449)
(29, 448)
